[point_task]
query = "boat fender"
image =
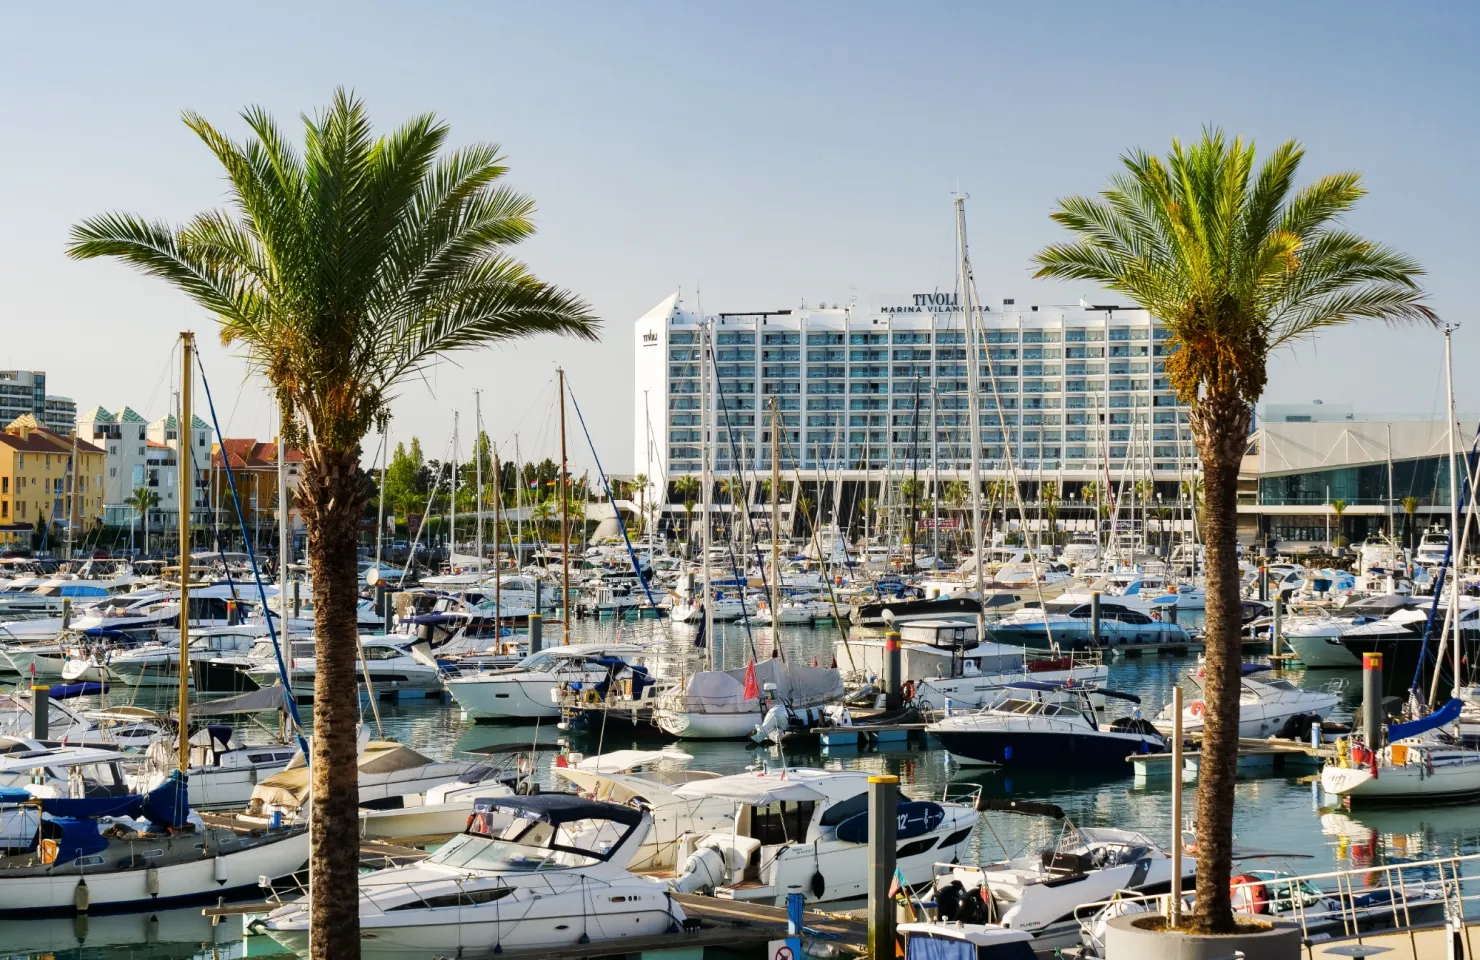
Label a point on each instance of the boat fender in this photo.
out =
(221, 869)
(81, 897)
(1197, 708)
(1249, 899)
(819, 885)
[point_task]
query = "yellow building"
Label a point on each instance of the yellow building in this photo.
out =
(37, 481)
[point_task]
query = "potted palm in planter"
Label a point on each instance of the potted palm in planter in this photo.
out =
(1236, 263)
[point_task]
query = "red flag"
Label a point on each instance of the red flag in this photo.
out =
(752, 689)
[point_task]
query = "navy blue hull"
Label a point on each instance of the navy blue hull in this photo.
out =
(1017, 748)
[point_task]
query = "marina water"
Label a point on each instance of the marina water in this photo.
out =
(1281, 816)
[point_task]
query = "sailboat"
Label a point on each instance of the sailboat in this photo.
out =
(1418, 762)
(144, 850)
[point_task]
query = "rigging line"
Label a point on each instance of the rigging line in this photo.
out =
(827, 581)
(636, 568)
(1011, 469)
(724, 409)
(277, 651)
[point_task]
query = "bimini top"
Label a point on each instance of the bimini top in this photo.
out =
(558, 808)
(776, 786)
(1048, 687)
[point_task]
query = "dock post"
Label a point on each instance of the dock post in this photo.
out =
(1094, 616)
(883, 790)
(536, 633)
(41, 712)
(1263, 583)
(893, 696)
(1171, 613)
(297, 599)
(1174, 905)
(1278, 626)
(382, 607)
(66, 613)
(1372, 699)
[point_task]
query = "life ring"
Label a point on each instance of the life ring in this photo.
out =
(1253, 898)
(908, 690)
(1197, 708)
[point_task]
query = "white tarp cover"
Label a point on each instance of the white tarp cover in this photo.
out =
(714, 691)
(622, 761)
(749, 788)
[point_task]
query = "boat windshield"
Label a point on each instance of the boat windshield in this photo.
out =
(538, 661)
(527, 846)
(1033, 707)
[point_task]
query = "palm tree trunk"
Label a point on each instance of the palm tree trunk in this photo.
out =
(332, 495)
(1220, 428)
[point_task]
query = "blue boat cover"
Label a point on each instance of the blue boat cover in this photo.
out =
(87, 688)
(1444, 715)
(75, 837)
(14, 795)
(167, 805)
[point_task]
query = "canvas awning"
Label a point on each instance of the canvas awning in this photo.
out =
(749, 788)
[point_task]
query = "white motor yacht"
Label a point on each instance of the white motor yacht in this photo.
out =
(391, 662)
(1038, 893)
(63, 723)
(808, 828)
(647, 779)
(1267, 707)
(1035, 724)
(526, 691)
(529, 874)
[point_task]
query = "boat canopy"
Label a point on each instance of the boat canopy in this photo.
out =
(1445, 715)
(723, 691)
(1046, 686)
(557, 808)
(624, 761)
(253, 701)
(749, 788)
(19, 762)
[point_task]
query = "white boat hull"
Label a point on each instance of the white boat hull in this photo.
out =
(433, 819)
(1408, 782)
(1323, 651)
(490, 699)
(708, 726)
(203, 879)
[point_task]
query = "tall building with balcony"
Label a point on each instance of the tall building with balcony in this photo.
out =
(23, 392)
(869, 394)
(144, 455)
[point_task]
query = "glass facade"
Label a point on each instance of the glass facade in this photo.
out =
(1426, 478)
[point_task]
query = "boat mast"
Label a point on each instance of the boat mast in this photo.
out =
(452, 518)
(385, 452)
(498, 579)
(72, 512)
(561, 487)
(776, 524)
(518, 508)
(282, 512)
(1454, 539)
(706, 493)
(973, 415)
(186, 500)
(647, 493)
(478, 481)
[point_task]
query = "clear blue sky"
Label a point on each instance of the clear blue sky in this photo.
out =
(768, 153)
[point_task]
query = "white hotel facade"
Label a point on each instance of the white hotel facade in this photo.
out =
(1070, 395)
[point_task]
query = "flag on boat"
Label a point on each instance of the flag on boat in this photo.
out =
(752, 689)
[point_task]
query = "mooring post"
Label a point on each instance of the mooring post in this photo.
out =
(893, 683)
(536, 633)
(40, 711)
(1372, 699)
(883, 790)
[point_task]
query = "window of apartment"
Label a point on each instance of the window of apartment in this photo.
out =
(4, 484)
(4, 508)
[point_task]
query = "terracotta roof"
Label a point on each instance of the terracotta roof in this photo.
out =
(251, 454)
(41, 439)
(157, 445)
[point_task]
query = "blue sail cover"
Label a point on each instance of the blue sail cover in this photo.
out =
(1446, 714)
(167, 805)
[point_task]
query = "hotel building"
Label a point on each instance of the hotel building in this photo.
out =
(1071, 395)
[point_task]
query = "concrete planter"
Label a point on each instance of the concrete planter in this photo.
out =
(1123, 941)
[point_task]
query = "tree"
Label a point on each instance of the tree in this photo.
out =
(1338, 507)
(1236, 263)
(142, 500)
(687, 489)
(344, 268)
(1048, 495)
(1410, 507)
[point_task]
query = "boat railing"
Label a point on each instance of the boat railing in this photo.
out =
(962, 793)
(1373, 899)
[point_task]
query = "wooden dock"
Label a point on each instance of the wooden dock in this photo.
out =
(1272, 757)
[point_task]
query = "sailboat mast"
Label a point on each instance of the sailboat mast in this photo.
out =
(452, 518)
(706, 492)
(498, 580)
(973, 415)
(1454, 538)
(185, 501)
(776, 524)
(385, 452)
(478, 479)
(561, 488)
(282, 512)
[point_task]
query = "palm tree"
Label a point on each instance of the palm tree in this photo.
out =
(1338, 507)
(1236, 265)
(996, 489)
(1048, 495)
(640, 484)
(344, 268)
(543, 515)
(1410, 507)
(142, 500)
(687, 488)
